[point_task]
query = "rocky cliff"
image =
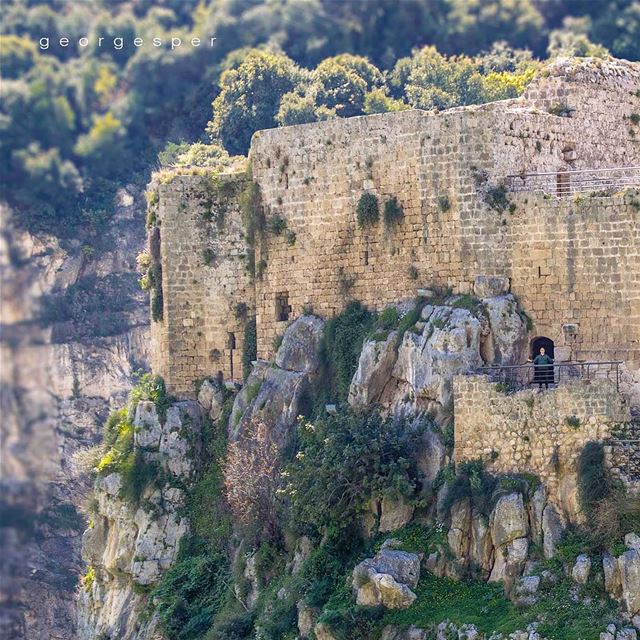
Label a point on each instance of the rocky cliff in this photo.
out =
(74, 330)
(321, 500)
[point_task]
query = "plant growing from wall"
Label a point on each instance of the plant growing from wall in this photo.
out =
(368, 211)
(412, 272)
(444, 204)
(340, 348)
(276, 225)
(290, 237)
(393, 212)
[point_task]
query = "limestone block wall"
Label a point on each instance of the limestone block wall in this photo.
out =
(204, 280)
(535, 433)
(570, 261)
(445, 170)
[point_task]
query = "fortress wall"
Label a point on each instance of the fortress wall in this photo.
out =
(204, 278)
(526, 432)
(313, 177)
(570, 261)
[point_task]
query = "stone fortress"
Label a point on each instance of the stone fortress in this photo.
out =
(534, 196)
(489, 190)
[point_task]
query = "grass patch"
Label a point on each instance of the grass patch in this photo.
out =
(476, 603)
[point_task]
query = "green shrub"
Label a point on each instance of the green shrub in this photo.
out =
(193, 591)
(594, 483)
(252, 212)
(635, 118)
(496, 198)
(412, 272)
(388, 319)
(340, 348)
(345, 460)
(367, 210)
(249, 347)
(276, 225)
(393, 212)
(444, 204)
(573, 422)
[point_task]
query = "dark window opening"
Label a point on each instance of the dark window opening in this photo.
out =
(365, 258)
(283, 308)
(563, 184)
(231, 341)
(542, 342)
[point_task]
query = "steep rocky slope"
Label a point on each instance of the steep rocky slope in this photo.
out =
(74, 329)
(320, 500)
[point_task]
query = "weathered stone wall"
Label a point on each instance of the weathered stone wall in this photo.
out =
(445, 170)
(570, 261)
(534, 432)
(204, 279)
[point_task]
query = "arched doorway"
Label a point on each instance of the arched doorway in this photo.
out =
(542, 341)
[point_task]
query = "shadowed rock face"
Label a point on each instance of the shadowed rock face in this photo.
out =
(57, 383)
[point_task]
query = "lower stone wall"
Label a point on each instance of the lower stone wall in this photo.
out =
(530, 432)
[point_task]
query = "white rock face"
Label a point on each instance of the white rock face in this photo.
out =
(509, 520)
(449, 344)
(387, 579)
(299, 348)
(581, 569)
(552, 528)
(629, 564)
(508, 330)
(131, 545)
(377, 359)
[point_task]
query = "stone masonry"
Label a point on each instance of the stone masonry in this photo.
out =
(574, 263)
(541, 434)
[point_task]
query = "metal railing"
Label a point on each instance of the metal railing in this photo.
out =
(568, 183)
(520, 376)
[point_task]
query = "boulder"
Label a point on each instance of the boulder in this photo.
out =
(508, 519)
(611, 571)
(391, 632)
(536, 509)
(374, 371)
(629, 565)
(632, 541)
(508, 330)
(211, 399)
(481, 547)
(300, 344)
(395, 514)
(449, 344)
(581, 569)
(525, 590)
(490, 286)
(387, 579)
(459, 536)
(509, 561)
(627, 633)
(552, 529)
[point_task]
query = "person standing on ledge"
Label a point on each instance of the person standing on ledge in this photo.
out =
(543, 369)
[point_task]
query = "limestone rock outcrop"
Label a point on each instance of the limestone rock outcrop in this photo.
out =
(133, 542)
(387, 579)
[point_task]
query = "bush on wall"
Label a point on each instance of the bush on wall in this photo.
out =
(368, 210)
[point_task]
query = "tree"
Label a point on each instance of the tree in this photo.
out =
(251, 477)
(250, 98)
(342, 82)
(17, 55)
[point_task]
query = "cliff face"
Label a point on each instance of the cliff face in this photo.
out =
(351, 521)
(74, 329)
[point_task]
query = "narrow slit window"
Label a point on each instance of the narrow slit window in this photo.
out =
(283, 308)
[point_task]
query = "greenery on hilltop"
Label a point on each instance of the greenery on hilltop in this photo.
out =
(77, 122)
